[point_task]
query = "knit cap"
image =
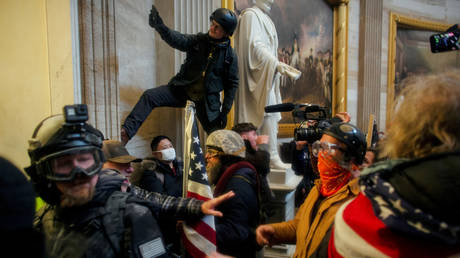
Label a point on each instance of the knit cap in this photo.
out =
(17, 198)
(228, 141)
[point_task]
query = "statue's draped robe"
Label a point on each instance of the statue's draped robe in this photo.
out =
(256, 44)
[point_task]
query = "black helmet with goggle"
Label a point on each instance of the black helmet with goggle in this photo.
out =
(62, 148)
(352, 137)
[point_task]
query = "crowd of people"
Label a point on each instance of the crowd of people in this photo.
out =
(398, 199)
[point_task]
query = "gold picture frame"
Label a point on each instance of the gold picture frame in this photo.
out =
(340, 57)
(339, 63)
(399, 20)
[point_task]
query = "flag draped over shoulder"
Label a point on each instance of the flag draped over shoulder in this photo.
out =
(199, 237)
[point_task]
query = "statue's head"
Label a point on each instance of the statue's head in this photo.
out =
(265, 5)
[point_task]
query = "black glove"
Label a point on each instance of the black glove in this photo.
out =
(223, 119)
(154, 17)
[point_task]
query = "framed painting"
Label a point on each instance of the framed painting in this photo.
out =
(309, 38)
(409, 53)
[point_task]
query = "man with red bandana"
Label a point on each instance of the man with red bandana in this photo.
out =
(340, 150)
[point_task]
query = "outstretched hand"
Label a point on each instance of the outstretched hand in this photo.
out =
(265, 235)
(208, 207)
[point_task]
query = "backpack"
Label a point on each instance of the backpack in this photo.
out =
(113, 221)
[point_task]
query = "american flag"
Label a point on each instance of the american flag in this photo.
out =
(200, 237)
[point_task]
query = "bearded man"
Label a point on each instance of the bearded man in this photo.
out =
(228, 170)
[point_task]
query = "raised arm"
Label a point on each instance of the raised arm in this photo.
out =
(175, 39)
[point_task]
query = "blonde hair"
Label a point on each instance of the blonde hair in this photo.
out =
(426, 117)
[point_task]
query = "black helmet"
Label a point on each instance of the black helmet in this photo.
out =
(352, 137)
(226, 18)
(58, 136)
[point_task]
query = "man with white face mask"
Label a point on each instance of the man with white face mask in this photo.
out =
(256, 44)
(162, 173)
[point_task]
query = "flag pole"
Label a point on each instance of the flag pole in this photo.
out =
(189, 116)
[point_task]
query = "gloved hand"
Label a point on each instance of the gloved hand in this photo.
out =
(154, 17)
(223, 119)
(288, 70)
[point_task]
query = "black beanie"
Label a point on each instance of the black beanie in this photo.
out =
(17, 198)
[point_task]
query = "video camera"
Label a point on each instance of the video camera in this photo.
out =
(446, 41)
(315, 119)
(77, 113)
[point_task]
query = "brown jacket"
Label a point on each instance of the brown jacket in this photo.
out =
(307, 230)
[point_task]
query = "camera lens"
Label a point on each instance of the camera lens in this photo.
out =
(309, 134)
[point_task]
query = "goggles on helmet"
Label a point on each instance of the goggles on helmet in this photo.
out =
(66, 165)
(327, 147)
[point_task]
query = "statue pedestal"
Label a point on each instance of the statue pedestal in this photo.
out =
(283, 183)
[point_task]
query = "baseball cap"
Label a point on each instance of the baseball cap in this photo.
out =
(115, 151)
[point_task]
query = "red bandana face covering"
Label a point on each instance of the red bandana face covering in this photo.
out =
(332, 175)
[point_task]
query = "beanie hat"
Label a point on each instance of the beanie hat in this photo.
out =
(228, 141)
(17, 198)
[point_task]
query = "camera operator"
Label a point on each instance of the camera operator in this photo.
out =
(339, 152)
(303, 163)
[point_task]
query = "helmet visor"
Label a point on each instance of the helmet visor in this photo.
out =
(66, 165)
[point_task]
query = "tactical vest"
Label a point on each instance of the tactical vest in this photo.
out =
(110, 231)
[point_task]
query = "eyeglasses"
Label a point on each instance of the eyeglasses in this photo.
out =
(327, 147)
(212, 152)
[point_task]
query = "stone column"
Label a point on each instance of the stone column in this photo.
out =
(370, 49)
(99, 64)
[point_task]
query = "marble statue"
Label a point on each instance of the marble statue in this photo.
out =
(256, 44)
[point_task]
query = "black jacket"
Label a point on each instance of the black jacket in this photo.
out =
(153, 169)
(236, 229)
(216, 59)
(170, 184)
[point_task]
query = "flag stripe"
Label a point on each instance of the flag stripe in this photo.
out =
(197, 196)
(350, 238)
(205, 230)
(200, 189)
(192, 249)
(199, 241)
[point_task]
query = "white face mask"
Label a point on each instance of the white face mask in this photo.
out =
(168, 154)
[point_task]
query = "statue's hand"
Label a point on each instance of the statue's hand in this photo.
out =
(288, 70)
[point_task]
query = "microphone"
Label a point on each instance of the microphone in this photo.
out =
(283, 107)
